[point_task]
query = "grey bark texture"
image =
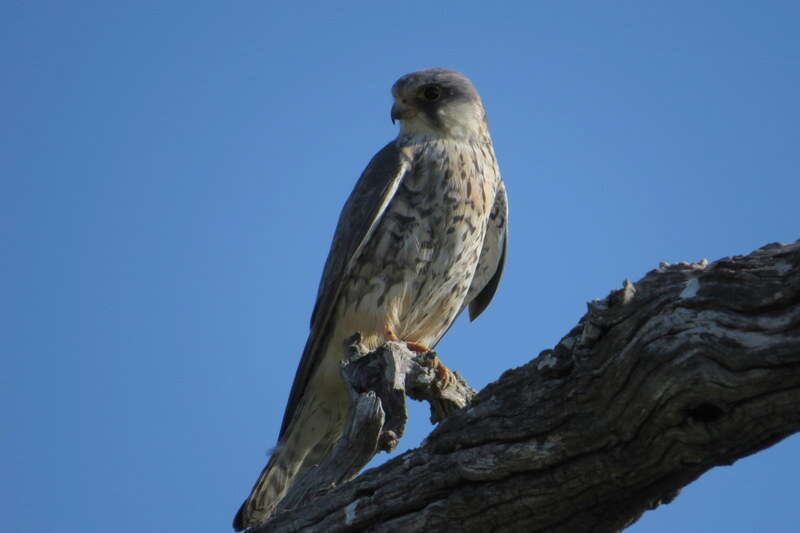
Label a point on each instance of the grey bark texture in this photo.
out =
(694, 366)
(377, 384)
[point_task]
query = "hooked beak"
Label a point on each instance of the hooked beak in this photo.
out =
(401, 111)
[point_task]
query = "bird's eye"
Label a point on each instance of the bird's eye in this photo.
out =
(431, 93)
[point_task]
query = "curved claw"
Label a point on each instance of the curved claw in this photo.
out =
(444, 374)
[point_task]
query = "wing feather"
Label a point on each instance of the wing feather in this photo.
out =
(359, 218)
(493, 256)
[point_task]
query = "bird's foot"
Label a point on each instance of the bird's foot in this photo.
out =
(443, 374)
(413, 346)
(417, 347)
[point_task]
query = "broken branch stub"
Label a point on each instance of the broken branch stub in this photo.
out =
(695, 365)
(376, 384)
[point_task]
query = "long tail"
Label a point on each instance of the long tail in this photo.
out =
(314, 428)
(306, 442)
(271, 486)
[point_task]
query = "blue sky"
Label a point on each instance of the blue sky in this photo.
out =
(172, 174)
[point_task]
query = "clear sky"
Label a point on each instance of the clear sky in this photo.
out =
(172, 173)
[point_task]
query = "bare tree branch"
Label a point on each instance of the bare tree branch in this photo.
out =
(694, 366)
(377, 384)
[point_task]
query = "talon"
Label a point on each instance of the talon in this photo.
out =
(443, 373)
(417, 347)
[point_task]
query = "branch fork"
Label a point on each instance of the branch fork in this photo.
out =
(377, 383)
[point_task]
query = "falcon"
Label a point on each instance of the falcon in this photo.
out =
(422, 236)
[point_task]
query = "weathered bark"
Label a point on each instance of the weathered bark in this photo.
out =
(377, 384)
(694, 366)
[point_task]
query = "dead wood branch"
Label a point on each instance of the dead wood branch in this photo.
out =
(694, 366)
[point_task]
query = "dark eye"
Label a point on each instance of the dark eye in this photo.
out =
(432, 93)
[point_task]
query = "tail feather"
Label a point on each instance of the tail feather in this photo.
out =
(315, 427)
(271, 486)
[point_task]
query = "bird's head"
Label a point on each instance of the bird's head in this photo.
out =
(438, 103)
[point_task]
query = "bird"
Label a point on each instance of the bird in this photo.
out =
(423, 236)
